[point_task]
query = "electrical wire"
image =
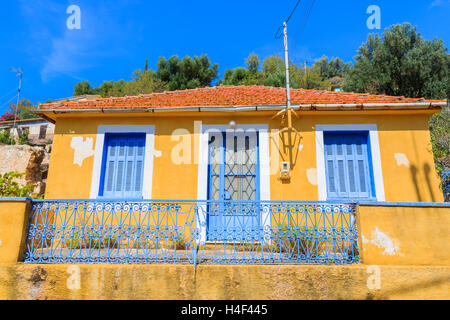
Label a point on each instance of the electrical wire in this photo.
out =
(278, 33)
(292, 13)
(9, 92)
(304, 19)
(15, 96)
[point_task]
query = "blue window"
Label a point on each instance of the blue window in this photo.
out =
(123, 166)
(348, 166)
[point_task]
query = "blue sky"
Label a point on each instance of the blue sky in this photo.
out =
(117, 36)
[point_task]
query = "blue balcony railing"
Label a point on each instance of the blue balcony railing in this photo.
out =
(191, 232)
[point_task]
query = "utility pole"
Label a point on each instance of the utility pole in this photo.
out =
(287, 112)
(20, 74)
(286, 62)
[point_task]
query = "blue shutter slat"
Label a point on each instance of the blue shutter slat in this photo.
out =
(129, 176)
(331, 185)
(119, 180)
(351, 176)
(110, 176)
(341, 176)
(138, 179)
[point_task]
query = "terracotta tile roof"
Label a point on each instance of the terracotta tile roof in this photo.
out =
(230, 96)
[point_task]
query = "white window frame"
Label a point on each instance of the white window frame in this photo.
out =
(264, 164)
(149, 131)
(375, 151)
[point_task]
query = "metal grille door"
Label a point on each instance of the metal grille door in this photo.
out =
(233, 176)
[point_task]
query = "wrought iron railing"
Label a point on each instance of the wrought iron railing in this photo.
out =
(191, 232)
(445, 181)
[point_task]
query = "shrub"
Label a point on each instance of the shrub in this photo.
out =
(5, 137)
(8, 116)
(23, 138)
(11, 188)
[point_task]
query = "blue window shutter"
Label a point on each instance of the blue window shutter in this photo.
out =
(348, 170)
(123, 166)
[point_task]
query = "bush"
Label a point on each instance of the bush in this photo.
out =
(10, 188)
(8, 116)
(23, 138)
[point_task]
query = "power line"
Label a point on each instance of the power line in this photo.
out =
(304, 19)
(9, 92)
(15, 96)
(278, 34)
(11, 97)
(292, 13)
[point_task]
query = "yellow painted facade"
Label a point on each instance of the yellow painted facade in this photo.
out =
(13, 228)
(181, 282)
(404, 235)
(407, 163)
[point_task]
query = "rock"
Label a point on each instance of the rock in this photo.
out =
(32, 161)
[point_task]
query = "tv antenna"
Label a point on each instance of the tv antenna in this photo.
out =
(20, 75)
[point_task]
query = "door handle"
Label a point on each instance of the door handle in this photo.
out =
(227, 195)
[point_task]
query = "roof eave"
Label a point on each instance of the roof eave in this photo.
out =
(303, 107)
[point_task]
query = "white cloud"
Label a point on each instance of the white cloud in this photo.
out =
(63, 52)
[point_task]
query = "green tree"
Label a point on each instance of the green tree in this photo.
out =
(273, 74)
(401, 63)
(252, 63)
(82, 88)
(25, 109)
(440, 139)
(273, 64)
(330, 68)
(144, 83)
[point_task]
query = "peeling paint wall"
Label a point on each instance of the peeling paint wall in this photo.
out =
(312, 176)
(82, 149)
(383, 241)
(402, 159)
(147, 282)
(404, 235)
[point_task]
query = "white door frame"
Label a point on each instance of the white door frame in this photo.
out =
(202, 178)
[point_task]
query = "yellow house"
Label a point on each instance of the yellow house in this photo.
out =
(229, 175)
(224, 143)
(226, 175)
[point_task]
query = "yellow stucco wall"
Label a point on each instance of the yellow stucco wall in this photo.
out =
(405, 255)
(404, 235)
(400, 132)
(142, 282)
(13, 225)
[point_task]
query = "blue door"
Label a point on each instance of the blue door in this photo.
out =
(123, 166)
(348, 166)
(233, 178)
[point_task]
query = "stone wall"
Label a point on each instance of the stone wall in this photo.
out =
(32, 161)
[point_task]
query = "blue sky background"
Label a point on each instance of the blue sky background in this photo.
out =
(117, 36)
